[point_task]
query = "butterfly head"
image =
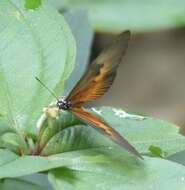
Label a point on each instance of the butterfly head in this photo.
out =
(64, 104)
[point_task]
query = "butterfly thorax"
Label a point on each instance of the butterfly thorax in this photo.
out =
(64, 104)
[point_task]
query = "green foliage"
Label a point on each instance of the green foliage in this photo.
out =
(37, 43)
(67, 151)
(141, 131)
(103, 168)
(32, 4)
(120, 172)
(93, 155)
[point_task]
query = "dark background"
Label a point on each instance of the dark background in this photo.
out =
(151, 78)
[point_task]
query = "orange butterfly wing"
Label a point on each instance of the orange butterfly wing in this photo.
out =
(101, 73)
(104, 129)
(95, 82)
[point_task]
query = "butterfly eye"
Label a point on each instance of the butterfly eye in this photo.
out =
(59, 104)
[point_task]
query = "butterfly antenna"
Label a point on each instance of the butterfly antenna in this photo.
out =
(49, 90)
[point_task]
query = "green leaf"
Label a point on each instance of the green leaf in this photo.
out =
(33, 43)
(32, 4)
(141, 132)
(4, 128)
(119, 172)
(7, 157)
(18, 184)
(102, 167)
(12, 141)
(11, 138)
(51, 126)
(156, 151)
(116, 16)
(81, 145)
(27, 165)
(82, 31)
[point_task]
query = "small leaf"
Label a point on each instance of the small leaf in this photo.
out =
(156, 151)
(32, 4)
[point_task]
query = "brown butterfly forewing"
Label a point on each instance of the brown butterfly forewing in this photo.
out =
(97, 79)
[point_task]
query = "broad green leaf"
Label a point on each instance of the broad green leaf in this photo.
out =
(32, 4)
(140, 16)
(18, 184)
(27, 165)
(33, 43)
(141, 132)
(119, 172)
(101, 167)
(82, 31)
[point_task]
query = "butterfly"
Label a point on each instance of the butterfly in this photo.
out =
(96, 80)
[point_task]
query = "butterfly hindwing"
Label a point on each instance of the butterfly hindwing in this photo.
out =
(104, 129)
(101, 73)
